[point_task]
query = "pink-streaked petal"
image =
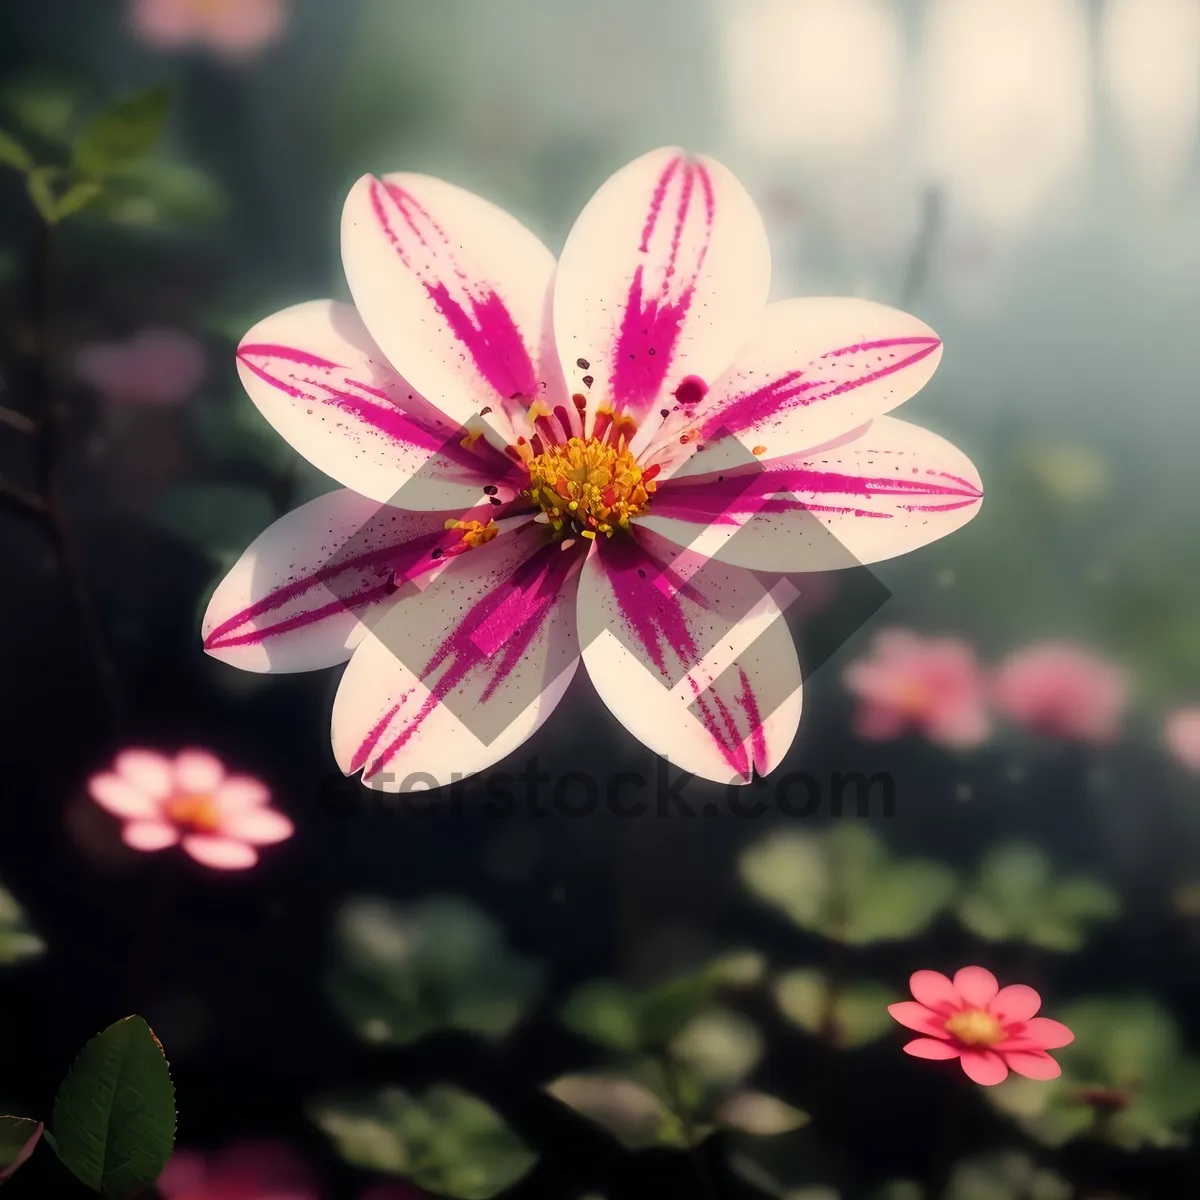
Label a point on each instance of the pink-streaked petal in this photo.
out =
(916, 1016)
(150, 772)
(452, 680)
(316, 375)
(198, 771)
(258, 826)
(977, 986)
(892, 489)
(693, 657)
(118, 796)
(663, 276)
(931, 1049)
(1017, 1002)
(220, 853)
(1040, 1033)
(454, 290)
(240, 792)
(149, 835)
(298, 597)
(33, 1131)
(814, 369)
(935, 991)
(984, 1066)
(1033, 1064)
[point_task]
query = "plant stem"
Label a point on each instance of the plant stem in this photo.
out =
(705, 1179)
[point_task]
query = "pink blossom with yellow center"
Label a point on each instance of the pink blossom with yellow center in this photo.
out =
(234, 29)
(989, 1029)
(1061, 690)
(193, 801)
(931, 686)
(1181, 733)
(247, 1170)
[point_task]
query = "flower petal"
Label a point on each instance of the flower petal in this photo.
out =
(1033, 1064)
(1041, 1033)
(935, 991)
(1017, 1002)
(454, 679)
(149, 771)
(916, 1016)
(240, 792)
(454, 290)
(149, 835)
(316, 375)
(816, 368)
(930, 1048)
(258, 826)
(220, 853)
(198, 771)
(984, 1066)
(977, 986)
(297, 598)
(893, 488)
(117, 795)
(663, 276)
(693, 657)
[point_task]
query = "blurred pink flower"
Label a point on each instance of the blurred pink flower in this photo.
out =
(249, 1170)
(192, 800)
(1181, 733)
(156, 366)
(990, 1030)
(1061, 690)
(931, 686)
(235, 29)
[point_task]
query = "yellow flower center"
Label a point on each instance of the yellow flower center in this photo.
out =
(474, 533)
(196, 810)
(589, 487)
(974, 1027)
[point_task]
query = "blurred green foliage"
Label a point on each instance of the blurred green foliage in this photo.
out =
(1016, 897)
(446, 1141)
(845, 885)
(400, 973)
(1126, 1078)
(17, 940)
(850, 1013)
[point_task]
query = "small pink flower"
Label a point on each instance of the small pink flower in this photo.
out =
(249, 1170)
(1181, 733)
(156, 366)
(989, 1029)
(932, 686)
(235, 29)
(190, 799)
(1063, 691)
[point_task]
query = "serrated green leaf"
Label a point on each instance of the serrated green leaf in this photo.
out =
(13, 154)
(114, 1114)
(446, 1141)
(18, 1140)
(122, 134)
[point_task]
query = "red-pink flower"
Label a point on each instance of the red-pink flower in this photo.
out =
(233, 28)
(1181, 733)
(217, 817)
(989, 1029)
(249, 1170)
(156, 366)
(931, 686)
(1064, 691)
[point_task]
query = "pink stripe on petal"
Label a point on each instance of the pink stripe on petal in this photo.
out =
(220, 853)
(258, 826)
(984, 1067)
(931, 1049)
(149, 835)
(1032, 1064)
(977, 986)
(916, 1016)
(198, 771)
(117, 795)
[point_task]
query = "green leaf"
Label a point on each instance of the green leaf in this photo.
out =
(44, 105)
(13, 154)
(122, 134)
(18, 1139)
(859, 1013)
(1006, 1176)
(761, 1115)
(718, 1049)
(17, 940)
(114, 1115)
(445, 1141)
(39, 185)
(629, 1110)
(400, 973)
(76, 198)
(605, 1013)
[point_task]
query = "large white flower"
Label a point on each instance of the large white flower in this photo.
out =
(592, 462)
